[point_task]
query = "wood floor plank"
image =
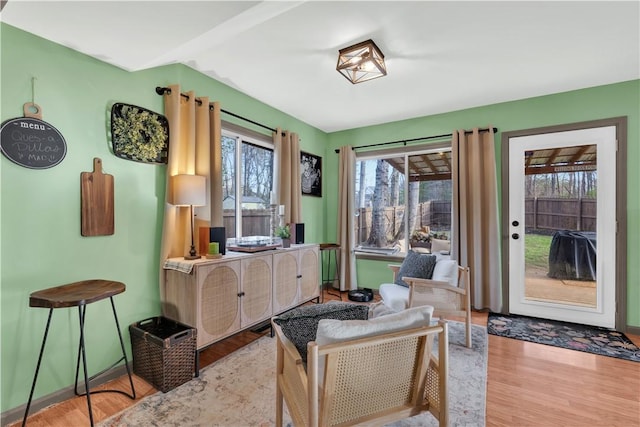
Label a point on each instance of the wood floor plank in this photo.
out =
(538, 385)
(528, 384)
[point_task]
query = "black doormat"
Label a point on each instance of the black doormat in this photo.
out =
(589, 339)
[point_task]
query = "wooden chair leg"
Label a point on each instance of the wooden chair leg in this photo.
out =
(279, 372)
(279, 402)
(468, 329)
(467, 283)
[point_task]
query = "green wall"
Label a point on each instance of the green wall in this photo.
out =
(622, 99)
(41, 245)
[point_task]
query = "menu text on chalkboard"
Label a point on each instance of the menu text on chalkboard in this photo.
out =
(32, 143)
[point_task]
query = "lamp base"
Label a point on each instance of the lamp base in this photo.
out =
(192, 252)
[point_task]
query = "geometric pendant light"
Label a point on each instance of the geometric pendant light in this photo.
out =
(361, 62)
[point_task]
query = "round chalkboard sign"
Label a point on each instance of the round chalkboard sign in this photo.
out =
(32, 143)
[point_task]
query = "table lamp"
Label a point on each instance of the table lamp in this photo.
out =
(189, 190)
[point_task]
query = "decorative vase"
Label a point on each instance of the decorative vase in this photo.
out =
(286, 243)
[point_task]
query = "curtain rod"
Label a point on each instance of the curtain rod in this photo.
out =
(163, 90)
(424, 138)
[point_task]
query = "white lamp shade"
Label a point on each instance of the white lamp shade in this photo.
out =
(189, 190)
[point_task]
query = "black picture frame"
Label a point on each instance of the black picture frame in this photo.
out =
(311, 174)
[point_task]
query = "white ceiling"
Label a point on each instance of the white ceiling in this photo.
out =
(441, 56)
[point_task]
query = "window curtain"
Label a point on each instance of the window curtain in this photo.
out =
(346, 211)
(475, 222)
(287, 183)
(194, 148)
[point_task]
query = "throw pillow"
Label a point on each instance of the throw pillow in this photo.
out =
(446, 270)
(332, 331)
(416, 265)
(300, 324)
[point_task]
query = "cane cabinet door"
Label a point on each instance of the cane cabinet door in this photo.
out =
(308, 268)
(255, 293)
(219, 300)
(285, 280)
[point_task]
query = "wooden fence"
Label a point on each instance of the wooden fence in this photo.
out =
(255, 222)
(435, 213)
(543, 213)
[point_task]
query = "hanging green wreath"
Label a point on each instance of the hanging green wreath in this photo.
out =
(138, 133)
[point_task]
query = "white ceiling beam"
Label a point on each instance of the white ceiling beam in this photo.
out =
(227, 30)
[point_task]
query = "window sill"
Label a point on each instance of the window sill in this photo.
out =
(398, 257)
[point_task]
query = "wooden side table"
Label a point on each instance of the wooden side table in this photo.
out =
(79, 294)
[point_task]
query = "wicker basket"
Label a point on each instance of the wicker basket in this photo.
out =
(164, 352)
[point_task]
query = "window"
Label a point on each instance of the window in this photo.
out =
(247, 177)
(397, 190)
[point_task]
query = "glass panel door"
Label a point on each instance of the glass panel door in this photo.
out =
(562, 226)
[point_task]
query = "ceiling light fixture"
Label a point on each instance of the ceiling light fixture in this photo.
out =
(361, 62)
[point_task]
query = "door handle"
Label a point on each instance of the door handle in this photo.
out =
(515, 236)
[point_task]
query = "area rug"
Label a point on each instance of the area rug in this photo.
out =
(239, 390)
(589, 339)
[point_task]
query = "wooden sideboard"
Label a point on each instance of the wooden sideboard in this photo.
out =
(220, 297)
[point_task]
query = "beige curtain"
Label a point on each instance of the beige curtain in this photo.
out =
(215, 165)
(287, 185)
(346, 233)
(194, 148)
(476, 235)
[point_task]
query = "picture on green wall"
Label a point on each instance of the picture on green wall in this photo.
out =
(311, 174)
(139, 134)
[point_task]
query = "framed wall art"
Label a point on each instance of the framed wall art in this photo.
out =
(311, 174)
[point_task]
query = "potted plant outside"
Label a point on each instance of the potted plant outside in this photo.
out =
(424, 238)
(284, 232)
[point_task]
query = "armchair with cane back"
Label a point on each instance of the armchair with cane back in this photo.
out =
(364, 372)
(447, 291)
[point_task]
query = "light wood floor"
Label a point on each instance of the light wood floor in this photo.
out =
(527, 385)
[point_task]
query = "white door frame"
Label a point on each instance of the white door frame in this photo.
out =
(603, 314)
(619, 309)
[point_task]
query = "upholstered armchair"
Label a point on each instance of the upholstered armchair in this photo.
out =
(447, 291)
(364, 372)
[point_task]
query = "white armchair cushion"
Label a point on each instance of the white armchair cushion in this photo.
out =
(394, 296)
(331, 331)
(446, 270)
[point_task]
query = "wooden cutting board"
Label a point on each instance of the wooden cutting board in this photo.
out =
(96, 193)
